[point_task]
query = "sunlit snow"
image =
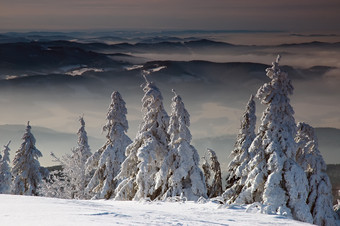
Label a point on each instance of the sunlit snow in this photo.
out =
(29, 210)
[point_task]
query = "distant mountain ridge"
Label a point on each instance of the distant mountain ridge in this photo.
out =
(328, 138)
(46, 56)
(44, 68)
(49, 140)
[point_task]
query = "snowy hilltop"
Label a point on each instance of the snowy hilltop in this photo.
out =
(276, 173)
(53, 212)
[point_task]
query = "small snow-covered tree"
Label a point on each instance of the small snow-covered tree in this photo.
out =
(5, 172)
(74, 167)
(180, 174)
(56, 185)
(107, 160)
(274, 178)
(320, 199)
(237, 168)
(26, 166)
(146, 153)
(70, 183)
(212, 173)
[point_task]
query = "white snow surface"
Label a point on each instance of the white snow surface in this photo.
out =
(31, 210)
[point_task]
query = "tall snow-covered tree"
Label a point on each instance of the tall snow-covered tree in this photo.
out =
(275, 179)
(212, 173)
(106, 161)
(148, 150)
(71, 182)
(237, 168)
(5, 172)
(26, 166)
(320, 199)
(180, 174)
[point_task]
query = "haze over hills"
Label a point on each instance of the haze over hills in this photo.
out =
(61, 143)
(52, 78)
(47, 141)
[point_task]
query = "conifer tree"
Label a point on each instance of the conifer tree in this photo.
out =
(180, 174)
(74, 167)
(26, 166)
(56, 185)
(320, 199)
(106, 161)
(148, 150)
(70, 183)
(212, 173)
(275, 179)
(237, 168)
(5, 172)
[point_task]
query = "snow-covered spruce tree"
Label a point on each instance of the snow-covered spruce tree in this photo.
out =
(70, 183)
(146, 153)
(320, 199)
(5, 172)
(26, 166)
(56, 185)
(180, 174)
(74, 165)
(212, 173)
(106, 161)
(237, 168)
(275, 179)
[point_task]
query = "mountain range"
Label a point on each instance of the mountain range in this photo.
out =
(61, 143)
(52, 78)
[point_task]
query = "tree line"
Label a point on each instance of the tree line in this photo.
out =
(278, 169)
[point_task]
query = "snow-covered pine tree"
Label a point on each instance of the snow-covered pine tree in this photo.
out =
(106, 161)
(180, 174)
(212, 173)
(56, 184)
(5, 172)
(275, 178)
(70, 183)
(320, 199)
(74, 169)
(26, 166)
(237, 168)
(146, 153)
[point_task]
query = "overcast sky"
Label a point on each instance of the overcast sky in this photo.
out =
(289, 15)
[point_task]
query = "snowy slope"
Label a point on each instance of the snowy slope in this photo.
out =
(25, 210)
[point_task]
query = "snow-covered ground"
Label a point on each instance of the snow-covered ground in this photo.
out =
(27, 210)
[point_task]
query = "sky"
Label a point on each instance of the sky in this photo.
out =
(288, 15)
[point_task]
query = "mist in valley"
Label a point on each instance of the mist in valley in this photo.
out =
(62, 80)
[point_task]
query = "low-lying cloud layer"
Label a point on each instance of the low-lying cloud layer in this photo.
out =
(215, 81)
